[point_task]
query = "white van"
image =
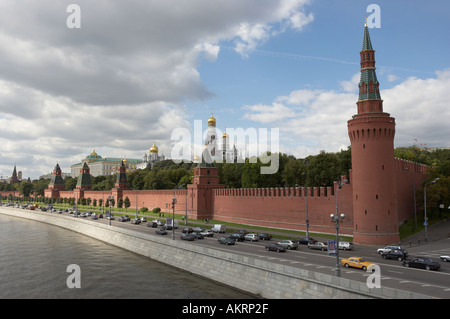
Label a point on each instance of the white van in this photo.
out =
(219, 228)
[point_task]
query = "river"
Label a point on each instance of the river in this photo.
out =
(34, 261)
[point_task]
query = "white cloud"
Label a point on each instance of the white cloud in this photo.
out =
(122, 79)
(315, 120)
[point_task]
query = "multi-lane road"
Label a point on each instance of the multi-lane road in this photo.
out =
(392, 274)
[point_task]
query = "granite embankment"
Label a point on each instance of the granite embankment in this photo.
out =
(259, 277)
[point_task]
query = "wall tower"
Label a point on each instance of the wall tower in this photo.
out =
(371, 133)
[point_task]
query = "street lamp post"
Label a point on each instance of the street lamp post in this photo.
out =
(110, 199)
(174, 200)
(335, 219)
(425, 222)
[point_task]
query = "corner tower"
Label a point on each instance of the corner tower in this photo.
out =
(371, 133)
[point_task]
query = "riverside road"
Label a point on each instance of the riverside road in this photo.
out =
(435, 284)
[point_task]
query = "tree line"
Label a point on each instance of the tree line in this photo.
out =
(315, 170)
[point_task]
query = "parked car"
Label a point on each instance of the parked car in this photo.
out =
(390, 247)
(161, 231)
(242, 231)
(197, 235)
(394, 254)
(226, 241)
(289, 244)
(251, 237)
(186, 236)
(306, 240)
(127, 217)
(237, 237)
(445, 258)
(422, 262)
(143, 220)
(264, 236)
(275, 247)
(356, 262)
(198, 229)
(122, 219)
(188, 230)
(318, 246)
(94, 216)
(136, 221)
(110, 216)
(207, 233)
(152, 224)
(345, 245)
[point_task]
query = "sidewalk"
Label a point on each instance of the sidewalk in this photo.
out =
(436, 232)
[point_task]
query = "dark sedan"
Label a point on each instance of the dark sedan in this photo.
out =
(264, 236)
(422, 262)
(188, 237)
(226, 241)
(306, 241)
(394, 254)
(276, 247)
(237, 237)
(161, 231)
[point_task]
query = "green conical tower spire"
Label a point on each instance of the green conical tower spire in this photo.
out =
(368, 84)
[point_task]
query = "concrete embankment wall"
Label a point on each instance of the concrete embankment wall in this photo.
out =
(256, 276)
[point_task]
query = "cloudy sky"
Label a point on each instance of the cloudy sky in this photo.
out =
(135, 71)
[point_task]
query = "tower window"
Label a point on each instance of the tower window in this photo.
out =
(364, 146)
(376, 196)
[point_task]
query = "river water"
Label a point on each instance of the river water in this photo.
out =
(34, 260)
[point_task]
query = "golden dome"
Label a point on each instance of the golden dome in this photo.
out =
(225, 135)
(211, 121)
(153, 149)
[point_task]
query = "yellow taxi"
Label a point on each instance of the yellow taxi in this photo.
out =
(356, 262)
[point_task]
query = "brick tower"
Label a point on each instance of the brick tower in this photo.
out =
(371, 133)
(206, 178)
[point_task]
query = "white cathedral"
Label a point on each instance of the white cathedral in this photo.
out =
(224, 154)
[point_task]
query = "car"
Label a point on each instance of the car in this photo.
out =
(390, 247)
(127, 217)
(188, 230)
(264, 236)
(275, 247)
(242, 231)
(306, 240)
(394, 254)
(60, 211)
(237, 237)
(94, 216)
(186, 236)
(143, 219)
(445, 258)
(226, 241)
(207, 233)
(136, 221)
(318, 246)
(197, 235)
(122, 219)
(345, 245)
(110, 217)
(356, 262)
(251, 237)
(289, 244)
(422, 262)
(161, 231)
(198, 229)
(152, 224)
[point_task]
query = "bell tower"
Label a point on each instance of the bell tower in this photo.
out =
(371, 132)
